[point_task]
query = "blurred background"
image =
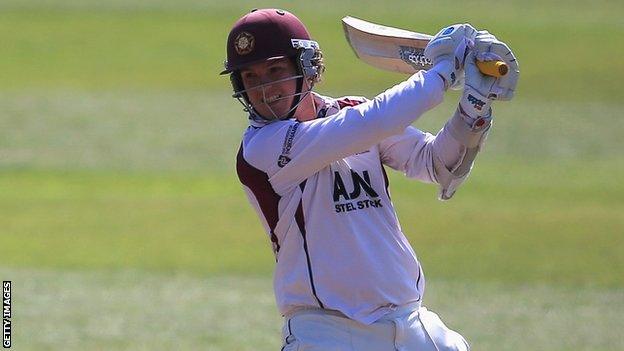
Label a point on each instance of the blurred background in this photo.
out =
(123, 226)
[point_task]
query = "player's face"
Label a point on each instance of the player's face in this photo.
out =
(269, 88)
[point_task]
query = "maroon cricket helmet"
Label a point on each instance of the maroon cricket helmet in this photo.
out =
(263, 35)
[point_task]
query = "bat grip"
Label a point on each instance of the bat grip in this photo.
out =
(493, 68)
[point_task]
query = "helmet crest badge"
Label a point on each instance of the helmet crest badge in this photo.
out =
(244, 43)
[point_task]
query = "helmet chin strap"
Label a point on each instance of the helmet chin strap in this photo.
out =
(297, 100)
(299, 97)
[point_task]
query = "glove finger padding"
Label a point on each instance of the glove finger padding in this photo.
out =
(476, 99)
(477, 80)
(489, 48)
(447, 39)
(509, 81)
(448, 50)
(492, 90)
(459, 59)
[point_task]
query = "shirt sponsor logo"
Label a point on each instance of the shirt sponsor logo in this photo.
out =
(282, 161)
(284, 158)
(347, 201)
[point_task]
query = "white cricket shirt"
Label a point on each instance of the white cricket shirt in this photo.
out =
(321, 192)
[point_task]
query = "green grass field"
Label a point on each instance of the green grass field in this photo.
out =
(122, 225)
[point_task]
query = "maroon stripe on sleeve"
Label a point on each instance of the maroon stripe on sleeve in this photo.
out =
(258, 182)
(346, 102)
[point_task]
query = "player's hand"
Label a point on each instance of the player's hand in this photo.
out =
(448, 50)
(487, 48)
(480, 90)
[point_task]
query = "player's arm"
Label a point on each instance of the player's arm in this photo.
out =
(290, 151)
(445, 159)
(315, 144)
(473, 117)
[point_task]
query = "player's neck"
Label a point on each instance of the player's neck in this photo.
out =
(307, 109)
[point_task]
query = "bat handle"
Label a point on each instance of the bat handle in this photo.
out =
(493, 68)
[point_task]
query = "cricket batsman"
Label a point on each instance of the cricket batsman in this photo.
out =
(312, 166)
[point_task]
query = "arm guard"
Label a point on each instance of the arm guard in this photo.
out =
(471, 138)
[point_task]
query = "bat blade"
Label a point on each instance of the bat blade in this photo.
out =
(387, 48)
(398, 50)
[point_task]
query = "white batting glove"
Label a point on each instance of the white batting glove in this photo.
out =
(448, 49)
(480, 90)
(487, 48)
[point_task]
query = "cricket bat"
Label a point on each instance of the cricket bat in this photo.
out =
(399, 50)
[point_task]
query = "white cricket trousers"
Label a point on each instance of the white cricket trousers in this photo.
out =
(408, 328)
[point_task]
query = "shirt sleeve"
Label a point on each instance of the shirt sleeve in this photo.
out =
(307, 147)
(445, 159)
(411, 153)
